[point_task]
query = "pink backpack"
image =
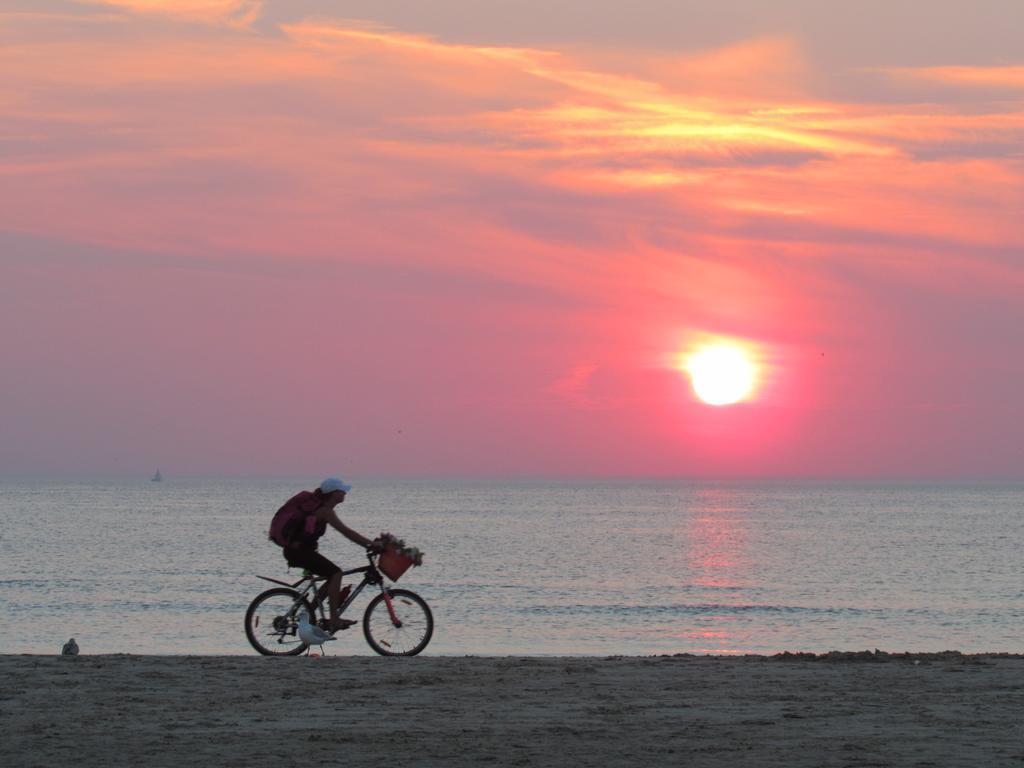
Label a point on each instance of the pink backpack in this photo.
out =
(294, 523)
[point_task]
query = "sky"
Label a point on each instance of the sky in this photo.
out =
(466, 238)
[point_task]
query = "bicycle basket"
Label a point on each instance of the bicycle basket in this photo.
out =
(393, 564)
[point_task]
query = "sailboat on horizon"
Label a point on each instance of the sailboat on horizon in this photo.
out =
(157, 477)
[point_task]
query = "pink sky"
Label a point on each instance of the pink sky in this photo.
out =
(288, 237)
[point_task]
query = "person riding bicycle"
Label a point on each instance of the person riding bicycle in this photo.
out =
(298, 526)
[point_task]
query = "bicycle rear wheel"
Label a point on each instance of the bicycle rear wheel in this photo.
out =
(412, 632)
(272, 622)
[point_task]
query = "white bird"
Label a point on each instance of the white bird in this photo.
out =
(313, 635)
(70, 648)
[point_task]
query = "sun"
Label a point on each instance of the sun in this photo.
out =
(722, 374)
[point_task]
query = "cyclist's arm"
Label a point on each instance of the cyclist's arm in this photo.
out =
(335, 522)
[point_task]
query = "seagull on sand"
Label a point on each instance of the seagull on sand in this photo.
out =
(70, 648)
(312, 635)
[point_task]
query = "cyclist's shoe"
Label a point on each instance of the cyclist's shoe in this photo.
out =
(340, 624)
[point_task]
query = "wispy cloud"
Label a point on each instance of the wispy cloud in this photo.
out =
(977, 77)
(233, 13)
(574, 386)
(714, 188)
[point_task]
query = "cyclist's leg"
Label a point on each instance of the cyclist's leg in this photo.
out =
(321, 566)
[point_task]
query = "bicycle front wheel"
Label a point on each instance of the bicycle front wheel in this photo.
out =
(407, 632)
(272, 622)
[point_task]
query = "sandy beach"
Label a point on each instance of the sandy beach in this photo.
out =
(838, 710)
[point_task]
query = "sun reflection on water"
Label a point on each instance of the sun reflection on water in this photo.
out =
(716, 564)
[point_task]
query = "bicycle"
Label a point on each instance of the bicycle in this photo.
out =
(397, 622)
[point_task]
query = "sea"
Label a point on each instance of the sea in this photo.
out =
(531, 567)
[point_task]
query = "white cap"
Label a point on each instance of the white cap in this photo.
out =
(332, 484)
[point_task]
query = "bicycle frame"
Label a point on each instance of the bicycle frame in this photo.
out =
(370, 577)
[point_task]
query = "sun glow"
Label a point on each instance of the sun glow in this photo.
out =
(722, 374)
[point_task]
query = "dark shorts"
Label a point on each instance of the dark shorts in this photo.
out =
(311, 560)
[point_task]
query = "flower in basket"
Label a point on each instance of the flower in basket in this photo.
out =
(392, 542)
(414, 554)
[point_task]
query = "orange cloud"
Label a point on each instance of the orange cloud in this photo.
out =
(340, 140)
(985, 77)
(763, 70)
(234, 13)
